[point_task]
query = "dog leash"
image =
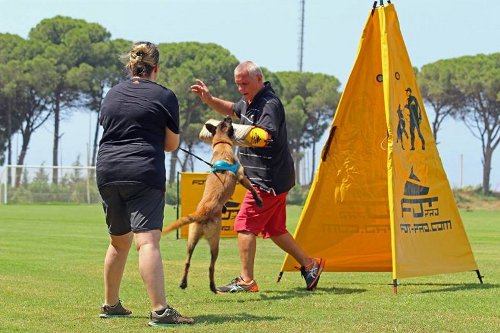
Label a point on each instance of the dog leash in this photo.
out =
(211, 166)
(199, 158)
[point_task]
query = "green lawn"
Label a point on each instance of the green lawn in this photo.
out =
(51, 260)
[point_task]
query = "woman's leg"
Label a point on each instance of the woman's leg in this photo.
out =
(151, 267)
(114, 265)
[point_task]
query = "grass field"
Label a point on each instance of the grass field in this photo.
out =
(51, 281)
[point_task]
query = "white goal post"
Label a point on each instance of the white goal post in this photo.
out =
(26, 184)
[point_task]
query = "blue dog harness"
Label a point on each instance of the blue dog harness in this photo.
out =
(222, 165)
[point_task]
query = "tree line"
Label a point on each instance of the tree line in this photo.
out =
(67, 65)
(466, 89)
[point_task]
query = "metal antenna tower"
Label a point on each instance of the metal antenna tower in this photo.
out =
(301, 33)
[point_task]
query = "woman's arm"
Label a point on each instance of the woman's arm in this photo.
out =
(171, 140)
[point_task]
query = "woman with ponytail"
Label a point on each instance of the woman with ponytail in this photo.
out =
(140, 120)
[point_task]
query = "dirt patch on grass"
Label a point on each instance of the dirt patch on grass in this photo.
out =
(473, 199)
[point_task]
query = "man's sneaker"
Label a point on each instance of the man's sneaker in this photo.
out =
(117, 310)
(237, 286)
(312, 275)
(169, 317)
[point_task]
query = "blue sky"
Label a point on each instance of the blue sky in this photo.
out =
(266, 31)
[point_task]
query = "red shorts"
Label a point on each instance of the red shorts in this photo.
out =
(270, 219)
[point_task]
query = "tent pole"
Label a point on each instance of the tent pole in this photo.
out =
(395, 286)
(479, 276)
(177, 232)
(279, 276)
(374, 7)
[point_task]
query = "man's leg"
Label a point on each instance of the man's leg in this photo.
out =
(421, 137)
(288, 244)
(311, 268)
(247, 247)
(114, 265)
(247, 226)
(245, 282)
(412, 136)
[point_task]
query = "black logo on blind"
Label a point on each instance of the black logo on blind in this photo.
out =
(418, 205)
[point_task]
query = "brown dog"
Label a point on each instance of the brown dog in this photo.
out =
(219, 187)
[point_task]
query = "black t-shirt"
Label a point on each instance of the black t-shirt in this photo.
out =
(271, 168)
(134, 117)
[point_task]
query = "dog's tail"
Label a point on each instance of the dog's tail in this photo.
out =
(180, 222)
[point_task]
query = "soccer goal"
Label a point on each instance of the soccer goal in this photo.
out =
(48, 184)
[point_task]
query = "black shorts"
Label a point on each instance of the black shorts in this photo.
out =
(136, 208)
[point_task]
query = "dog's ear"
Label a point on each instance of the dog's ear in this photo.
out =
(211, 128)
(230, 131)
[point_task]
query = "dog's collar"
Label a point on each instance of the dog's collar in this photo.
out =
(222, 165)
(227, 143)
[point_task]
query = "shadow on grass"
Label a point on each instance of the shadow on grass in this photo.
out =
(445, 287)
(210, 318)
(301, 292)
(452, 287)
(290, 294)
(239, 317)
(336, 290)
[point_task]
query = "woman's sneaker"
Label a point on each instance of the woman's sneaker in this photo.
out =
(170, 316)
(237, 285)
(312, 275)
(117, 310)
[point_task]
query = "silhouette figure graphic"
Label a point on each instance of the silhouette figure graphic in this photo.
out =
(415, 119)
(401, 127)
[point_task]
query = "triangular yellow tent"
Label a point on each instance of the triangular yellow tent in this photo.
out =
(380, 200)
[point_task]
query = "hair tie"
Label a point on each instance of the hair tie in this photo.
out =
(138, 55)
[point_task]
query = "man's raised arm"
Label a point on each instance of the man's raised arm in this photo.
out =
(222, 106)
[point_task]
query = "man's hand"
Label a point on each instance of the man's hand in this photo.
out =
(201, 90)
(219, 105)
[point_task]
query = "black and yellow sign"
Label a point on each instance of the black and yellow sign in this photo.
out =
(192, 185)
